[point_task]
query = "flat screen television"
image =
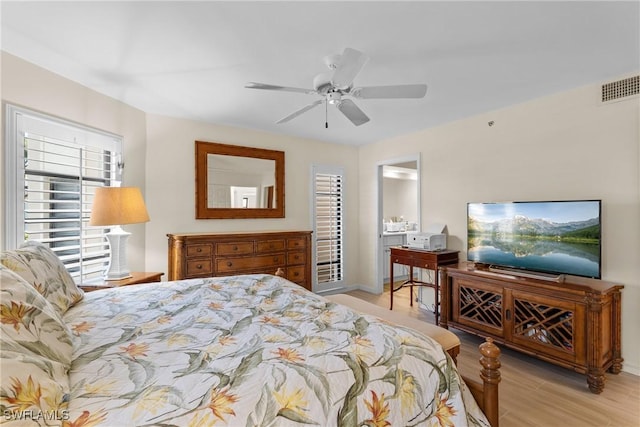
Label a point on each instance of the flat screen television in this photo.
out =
(555, 237)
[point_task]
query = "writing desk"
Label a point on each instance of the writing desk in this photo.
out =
(420, 258)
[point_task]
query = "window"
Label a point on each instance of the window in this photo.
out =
(53, 168)
(328, 226)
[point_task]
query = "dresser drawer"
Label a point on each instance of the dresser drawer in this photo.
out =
(296, 243)
(296, 258)
(296, 274)
(239, 248)
(267, 270)
(199, 267)
(415, 262)
(246, 263)
(270, 246)
(429, 265)
(199, 250)
(403, 260)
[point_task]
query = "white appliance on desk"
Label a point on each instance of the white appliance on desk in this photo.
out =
(434, 239)
(426, 241)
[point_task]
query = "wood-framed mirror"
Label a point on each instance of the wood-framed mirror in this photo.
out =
(238, 182)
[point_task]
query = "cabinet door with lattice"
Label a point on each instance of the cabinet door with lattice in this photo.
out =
(549, 324)
(479, 305)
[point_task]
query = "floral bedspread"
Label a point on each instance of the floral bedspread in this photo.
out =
(253, 351)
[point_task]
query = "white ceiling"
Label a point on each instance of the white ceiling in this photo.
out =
(192, 59)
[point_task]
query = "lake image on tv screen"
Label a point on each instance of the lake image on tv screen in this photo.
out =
(554, 237)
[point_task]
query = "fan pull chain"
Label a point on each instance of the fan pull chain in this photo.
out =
(326, 115)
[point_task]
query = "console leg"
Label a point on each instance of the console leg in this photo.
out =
(616, 368)
(596, 380)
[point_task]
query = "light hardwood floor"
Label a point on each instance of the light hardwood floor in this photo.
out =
(536, 393)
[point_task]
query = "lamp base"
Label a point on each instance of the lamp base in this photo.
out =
(118, 269)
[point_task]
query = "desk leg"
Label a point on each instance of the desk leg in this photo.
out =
(391, 284)
(436, 287)
(411, 285)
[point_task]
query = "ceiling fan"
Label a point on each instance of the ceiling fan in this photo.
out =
(335, 88)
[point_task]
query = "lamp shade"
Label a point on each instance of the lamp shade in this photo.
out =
(118, 206)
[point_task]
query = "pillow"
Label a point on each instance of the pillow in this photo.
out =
(40, 267)
(35, 387)
(29, 324)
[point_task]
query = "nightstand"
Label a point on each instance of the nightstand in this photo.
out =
(137, 278)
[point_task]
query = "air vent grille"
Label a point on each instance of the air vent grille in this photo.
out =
(620, 89)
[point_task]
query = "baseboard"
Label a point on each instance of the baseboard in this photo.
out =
(365, 288)
(348, 288)
(338, 290)
(631, 368)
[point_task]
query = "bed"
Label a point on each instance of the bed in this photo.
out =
(251, 350)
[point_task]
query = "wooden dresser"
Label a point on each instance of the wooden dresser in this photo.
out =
(228, 254)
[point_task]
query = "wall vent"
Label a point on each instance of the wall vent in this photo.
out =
(617, 90)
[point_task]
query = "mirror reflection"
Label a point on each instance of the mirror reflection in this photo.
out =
(240, 182)
(233, 181)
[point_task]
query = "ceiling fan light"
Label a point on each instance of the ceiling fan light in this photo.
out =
(334, 98)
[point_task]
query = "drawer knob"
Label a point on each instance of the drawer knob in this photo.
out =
(235, 248)
(276, 259)
(229, 264)
(199, 250)
(296, 257)
(296, 274)
(199, 266)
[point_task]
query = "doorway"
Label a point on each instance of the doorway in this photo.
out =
(398, 209)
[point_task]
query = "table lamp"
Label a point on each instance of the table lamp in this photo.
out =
(118, 206)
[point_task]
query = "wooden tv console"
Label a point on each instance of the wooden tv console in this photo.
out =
(574, 323)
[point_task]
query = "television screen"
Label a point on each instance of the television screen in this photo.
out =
(560, 237)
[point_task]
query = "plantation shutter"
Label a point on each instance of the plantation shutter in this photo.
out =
(328, 208)
(58, 167)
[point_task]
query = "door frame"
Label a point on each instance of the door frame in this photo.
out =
(379, 284)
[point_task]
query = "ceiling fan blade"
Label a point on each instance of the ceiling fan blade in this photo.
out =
(300, 111)
(352, 112)
(253, 85)
(351, 62)
(390, 92)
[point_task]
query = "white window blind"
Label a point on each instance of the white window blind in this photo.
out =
(328, 212)
(56, 166)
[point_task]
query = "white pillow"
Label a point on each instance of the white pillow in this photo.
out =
(29, 324)
(40, 267)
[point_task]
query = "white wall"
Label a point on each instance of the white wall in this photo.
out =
(27, 85)
(565, 146)
(400, 199)
(171, 184)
